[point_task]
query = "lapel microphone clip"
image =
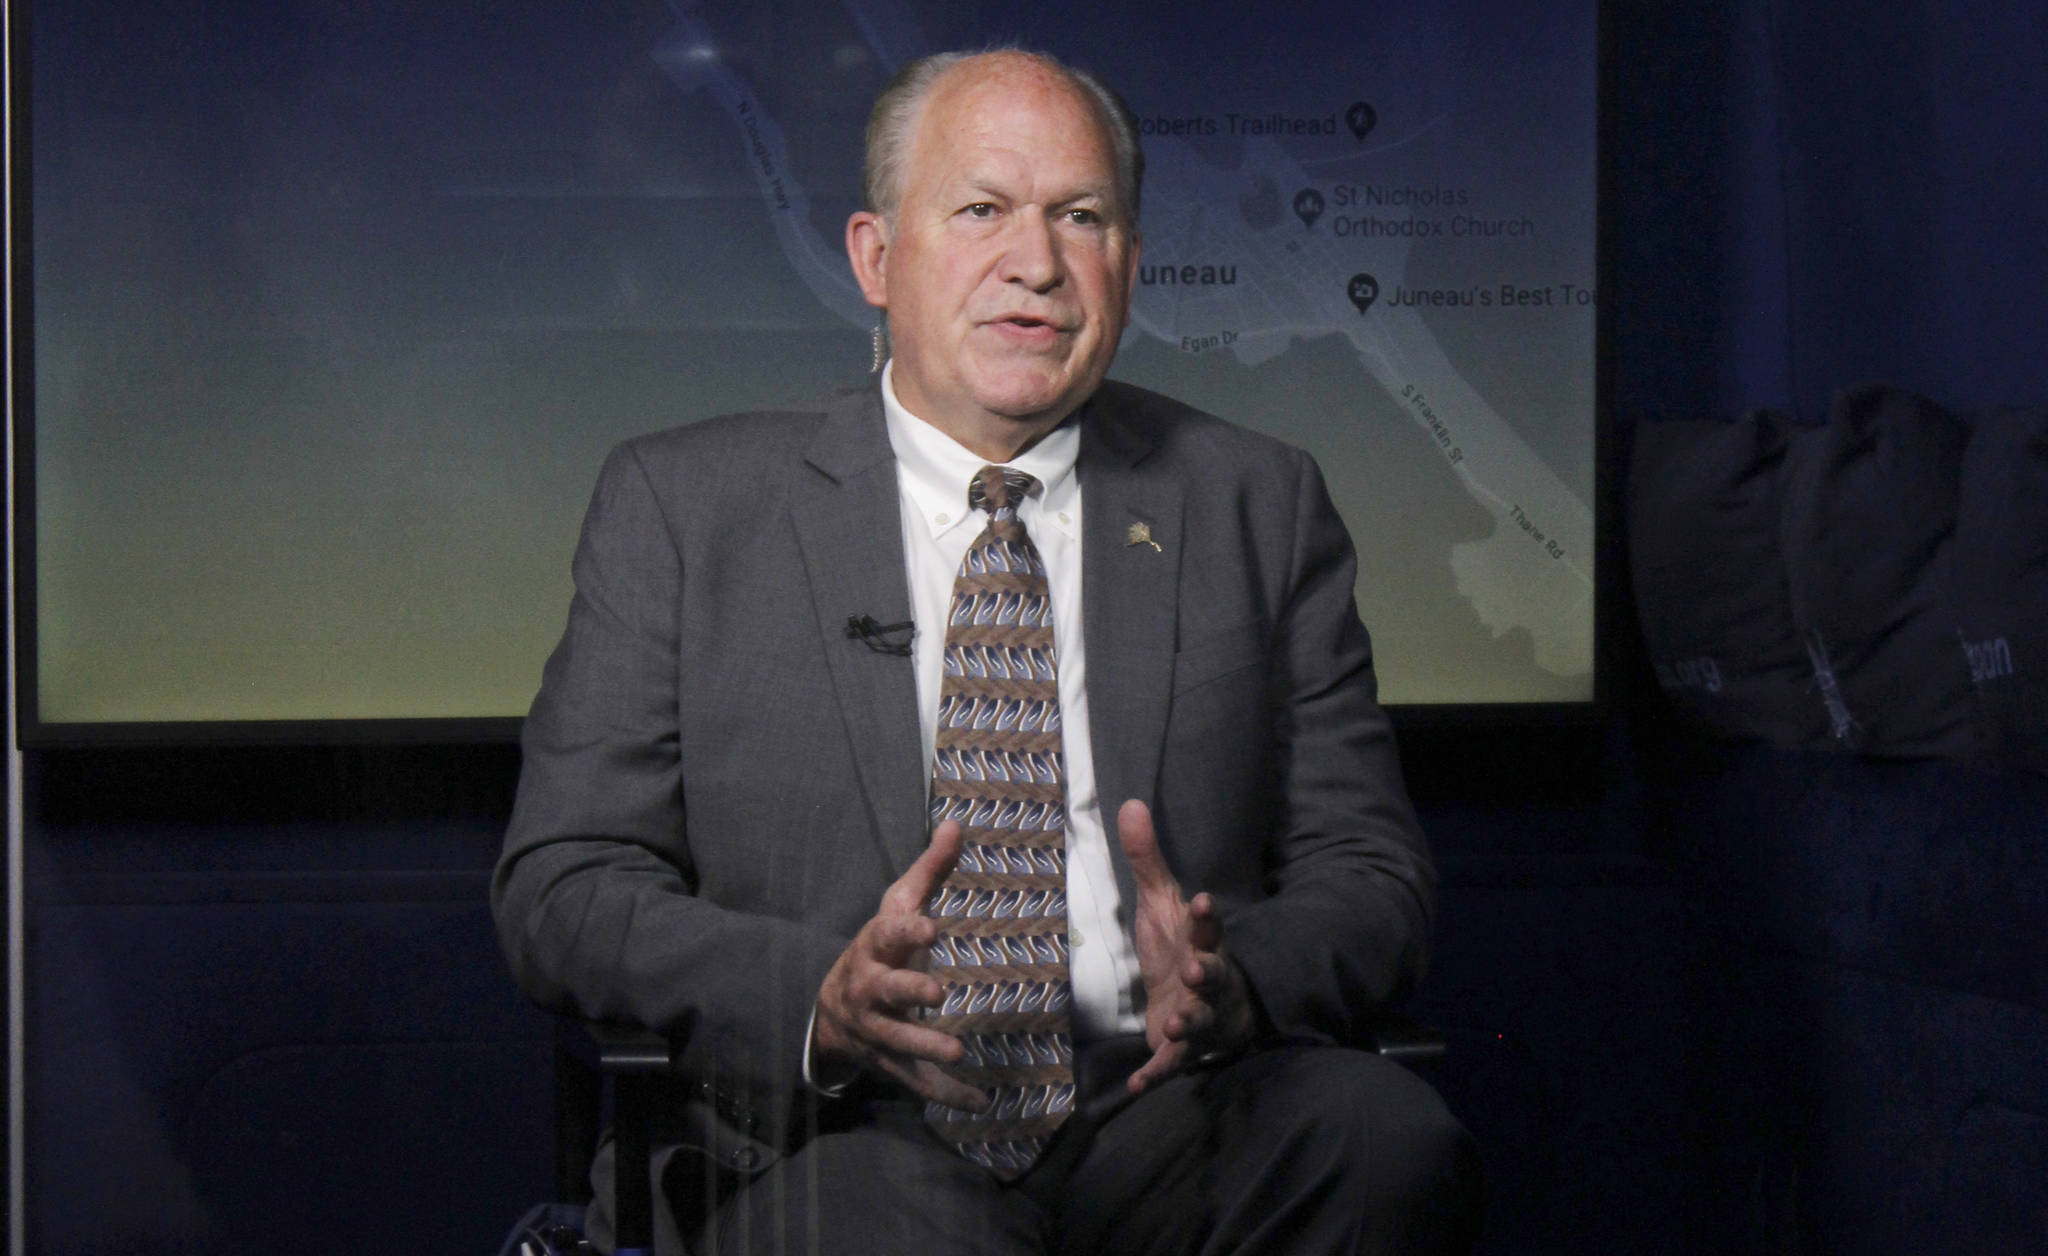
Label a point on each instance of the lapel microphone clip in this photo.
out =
(882, 638)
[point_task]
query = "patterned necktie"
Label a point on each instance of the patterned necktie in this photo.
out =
(999, 770)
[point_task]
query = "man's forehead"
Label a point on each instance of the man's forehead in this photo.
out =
(1006, 170)
(990, 126)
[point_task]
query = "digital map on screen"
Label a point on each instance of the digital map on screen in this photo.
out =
(332, 330)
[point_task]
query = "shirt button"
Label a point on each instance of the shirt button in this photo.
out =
(942, 520)
(1074, 937)
(1064, 518)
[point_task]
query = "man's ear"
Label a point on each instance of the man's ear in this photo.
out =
(867, 247)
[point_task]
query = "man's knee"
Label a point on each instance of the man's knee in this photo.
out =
(1386, 1107)
(1381, 1139)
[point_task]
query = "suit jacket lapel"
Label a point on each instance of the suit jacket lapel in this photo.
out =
(848, 521)
(1131, 549)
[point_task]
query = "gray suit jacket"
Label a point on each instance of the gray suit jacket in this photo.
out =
(719, 783)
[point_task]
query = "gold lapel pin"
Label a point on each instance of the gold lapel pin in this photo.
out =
(1141, 534)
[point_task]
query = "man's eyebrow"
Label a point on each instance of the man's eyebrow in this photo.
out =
(1091, 195)
(987, 184)
(1104, 195)
(967, 186)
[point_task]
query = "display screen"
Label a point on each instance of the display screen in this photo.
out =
(334, 307)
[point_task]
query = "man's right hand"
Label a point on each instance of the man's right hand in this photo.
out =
(868, 1007)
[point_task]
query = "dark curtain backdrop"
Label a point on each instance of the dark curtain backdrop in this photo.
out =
(1809, 194)
(1806, 196)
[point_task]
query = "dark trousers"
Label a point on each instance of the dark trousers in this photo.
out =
(1287, 1151)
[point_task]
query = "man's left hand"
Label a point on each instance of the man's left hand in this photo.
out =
(1196, 1000)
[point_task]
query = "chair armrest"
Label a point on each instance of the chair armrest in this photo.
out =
(1406, 1041)
(633, 1058)
(628, 1049)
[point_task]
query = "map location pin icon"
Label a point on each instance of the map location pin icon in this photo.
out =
(1308, 203)
(1364, 290)
(1361, 118)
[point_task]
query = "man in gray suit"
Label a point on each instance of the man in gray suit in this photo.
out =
(722, 826)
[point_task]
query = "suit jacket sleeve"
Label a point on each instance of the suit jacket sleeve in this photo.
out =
(1341, 927)
(596, 892)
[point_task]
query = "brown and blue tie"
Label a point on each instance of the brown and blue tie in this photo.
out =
(999, 770)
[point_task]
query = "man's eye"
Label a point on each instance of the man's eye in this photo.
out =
(980, 209)
(1084, 217)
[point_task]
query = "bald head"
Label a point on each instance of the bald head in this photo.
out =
(892, 124)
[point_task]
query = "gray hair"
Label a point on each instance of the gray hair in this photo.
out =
(896, 110)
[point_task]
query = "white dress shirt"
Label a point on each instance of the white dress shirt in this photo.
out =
(932, 474)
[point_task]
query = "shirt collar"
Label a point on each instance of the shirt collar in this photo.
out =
(934, 470)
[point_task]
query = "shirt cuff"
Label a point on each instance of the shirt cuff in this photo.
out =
(810, 1073)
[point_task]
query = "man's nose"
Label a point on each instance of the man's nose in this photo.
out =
(1033, 258)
